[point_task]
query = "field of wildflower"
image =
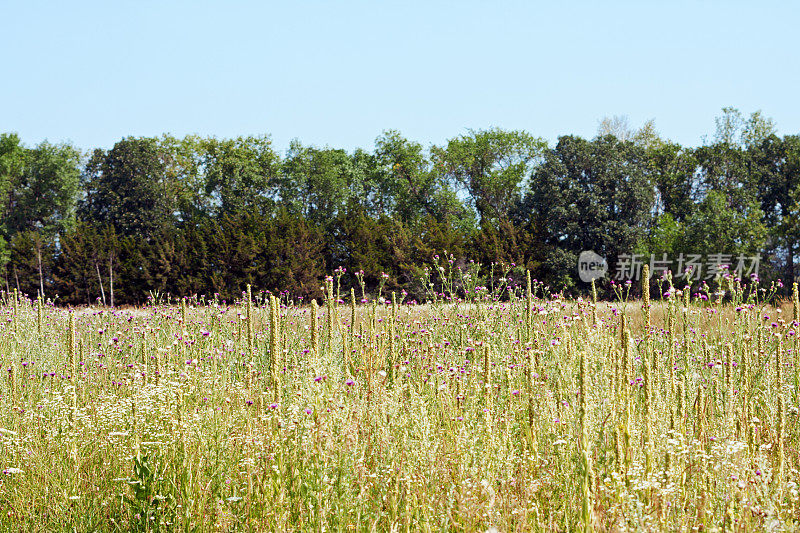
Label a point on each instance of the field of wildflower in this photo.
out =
(483, 409)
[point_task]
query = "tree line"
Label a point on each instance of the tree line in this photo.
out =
(204, 216)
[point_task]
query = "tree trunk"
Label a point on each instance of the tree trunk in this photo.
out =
(87, 289)
(16, 277)
(100, 279)
(39, 260)
(111, 278)
(790, 261)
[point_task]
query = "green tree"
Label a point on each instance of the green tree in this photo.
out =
(42, 185)
(127, 188)
(184, 166)
(727, 165)
(294, 256)
(588, 195)
(491, 166)
(666, 236)
(505, 242)
(776, 176)
(377, 246)
(237, 252)
(405, 176)
(716, 227)
(672, 170)
(31, 259)
(757, 128)
(75, 276)
(240, 174)
(12, 163)
(47, 192)
(369, 194)
(315, 183)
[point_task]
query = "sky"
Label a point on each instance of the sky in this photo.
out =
(337, 73)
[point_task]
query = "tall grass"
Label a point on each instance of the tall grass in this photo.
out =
(522, 413)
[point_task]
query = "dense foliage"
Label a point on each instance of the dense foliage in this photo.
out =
(502, 411)
(200, 216)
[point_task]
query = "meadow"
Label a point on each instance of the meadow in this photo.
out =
(484, 409)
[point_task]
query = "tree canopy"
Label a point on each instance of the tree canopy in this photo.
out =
(199, 215)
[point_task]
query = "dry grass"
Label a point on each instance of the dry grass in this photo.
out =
(456, 417)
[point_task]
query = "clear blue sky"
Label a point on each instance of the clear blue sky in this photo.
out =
(337, 73)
